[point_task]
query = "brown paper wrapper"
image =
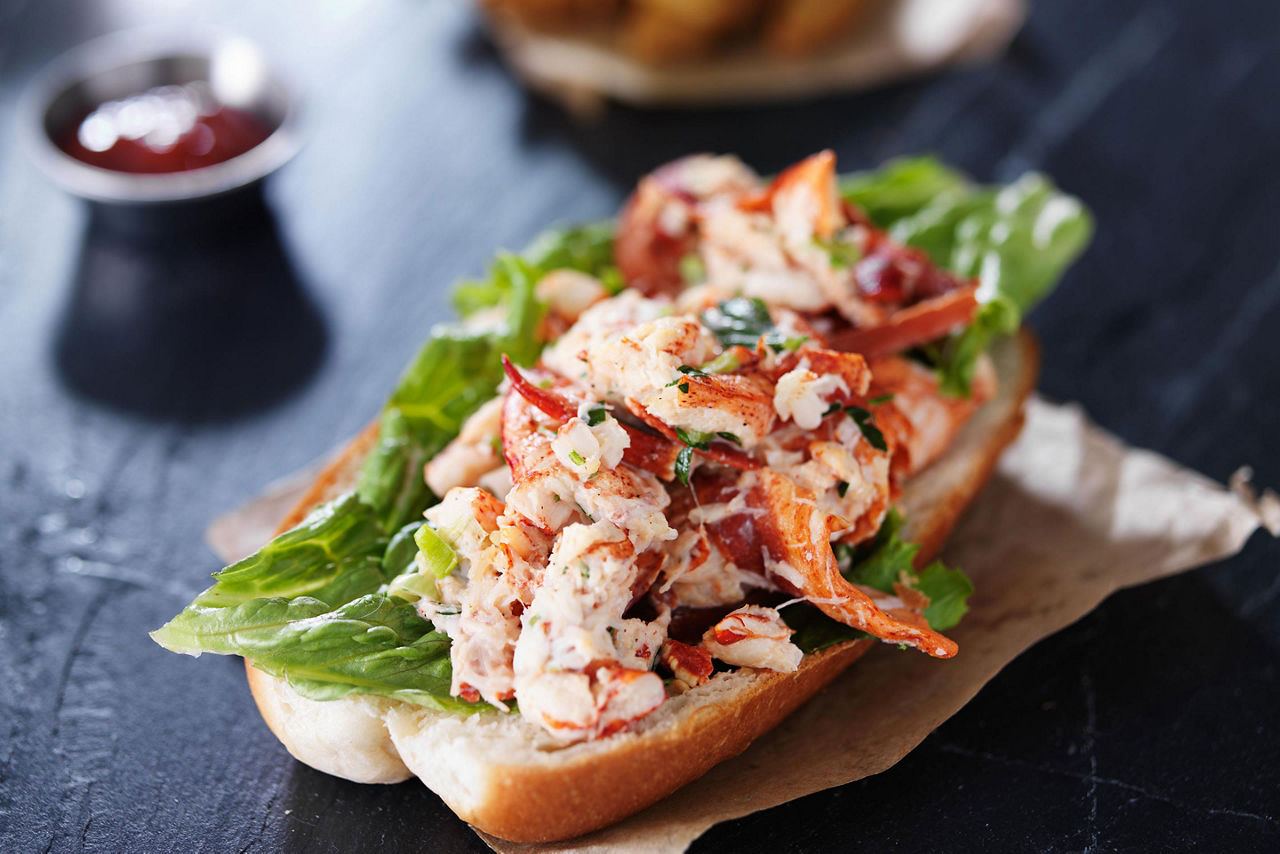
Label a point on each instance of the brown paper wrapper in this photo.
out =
(1071, 515)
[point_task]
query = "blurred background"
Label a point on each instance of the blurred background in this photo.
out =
(153, 377)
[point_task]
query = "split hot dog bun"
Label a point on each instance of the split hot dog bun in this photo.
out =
(502, 773)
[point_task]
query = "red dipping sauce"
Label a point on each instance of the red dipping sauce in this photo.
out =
(165, 129)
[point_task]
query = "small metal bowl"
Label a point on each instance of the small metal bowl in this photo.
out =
(128, 63)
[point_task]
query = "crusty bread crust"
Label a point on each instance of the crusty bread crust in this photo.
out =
(352, 744)
(499, 773)
(526, 797)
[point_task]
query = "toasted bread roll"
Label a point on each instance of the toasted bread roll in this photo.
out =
(500, 772)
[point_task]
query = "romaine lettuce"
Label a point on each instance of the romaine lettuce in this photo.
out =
(1016, 239)
(900, 187)
(333, 556)
(371, 645)
(456, 371)
(586, 248)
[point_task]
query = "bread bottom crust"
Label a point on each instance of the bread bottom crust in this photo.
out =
(495, 771)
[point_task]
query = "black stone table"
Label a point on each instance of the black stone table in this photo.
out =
(147, 385)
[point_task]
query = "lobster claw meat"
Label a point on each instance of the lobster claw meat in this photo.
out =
(654, 453)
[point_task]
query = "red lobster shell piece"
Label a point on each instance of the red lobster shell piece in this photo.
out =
(656, 454)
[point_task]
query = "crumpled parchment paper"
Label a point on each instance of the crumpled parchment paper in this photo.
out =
(1071, 515)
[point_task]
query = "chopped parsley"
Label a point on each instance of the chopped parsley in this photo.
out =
(688, 371)
(693, 438)
(842, 487)
(684, 460)
(727, 362)
(739, 321)
(692, 270)
(841, 254)
(866, 423)
(611, 278)
(788, 344)
(744, 321)
(596, 415)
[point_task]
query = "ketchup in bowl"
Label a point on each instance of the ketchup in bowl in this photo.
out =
(165, 129)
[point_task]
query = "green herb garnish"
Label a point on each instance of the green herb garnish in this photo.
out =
(726, 363)
(692, 269)
(866, 423)
(842, 255)
(684, 460)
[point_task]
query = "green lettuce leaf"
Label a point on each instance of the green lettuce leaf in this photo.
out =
(372, 645)
(956, 356)
(402, 550)
(391, 478)
(333, 556)
(456, 371)
(1017, 240)
(880, 563)
(948, 591)
(586, 248)
(900, 187)
(812, 630)
(305, 608)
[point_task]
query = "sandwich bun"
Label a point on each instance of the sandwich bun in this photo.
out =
(503, 775)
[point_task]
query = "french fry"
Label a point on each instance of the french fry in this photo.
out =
(800, 27)
(660, 31)
(556, 15)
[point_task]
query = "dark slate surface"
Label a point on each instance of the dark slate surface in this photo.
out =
(144, 388)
